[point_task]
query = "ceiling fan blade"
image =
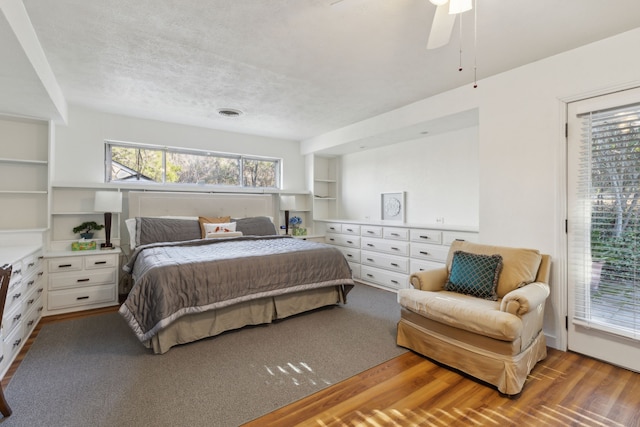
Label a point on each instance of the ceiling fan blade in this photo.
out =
(441, 28)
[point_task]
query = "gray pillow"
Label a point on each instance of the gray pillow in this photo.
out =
(255, 226)
(153, 230)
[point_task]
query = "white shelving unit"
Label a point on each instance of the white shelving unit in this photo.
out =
(325, 187)
(24, 173)
(71, 206)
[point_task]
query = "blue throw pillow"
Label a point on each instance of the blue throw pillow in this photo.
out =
(475, 275)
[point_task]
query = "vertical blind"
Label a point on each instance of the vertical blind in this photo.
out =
(604, 247)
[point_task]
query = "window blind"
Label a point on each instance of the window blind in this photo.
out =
(604, 245)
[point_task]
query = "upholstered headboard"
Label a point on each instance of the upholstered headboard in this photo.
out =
(199, 204)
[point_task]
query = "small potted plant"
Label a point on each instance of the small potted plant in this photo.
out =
(86, 229)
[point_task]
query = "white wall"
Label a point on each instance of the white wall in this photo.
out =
(79, 146)
(438, 173)
(522, 145)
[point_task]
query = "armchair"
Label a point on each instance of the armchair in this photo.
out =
(496, 337)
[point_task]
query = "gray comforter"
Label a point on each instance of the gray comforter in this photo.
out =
(178, 278)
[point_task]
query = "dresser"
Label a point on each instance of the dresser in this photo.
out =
(385, 255)
(24, 305)
(82, 280)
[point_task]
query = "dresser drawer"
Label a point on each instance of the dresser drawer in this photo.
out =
(426, 236)
(12, 343)
(353, 229)
(100, 261)
(33, 316)
(12, 319)
(77, 297)
(417, 265)
(449, 236)
(352, 255)
(388, 262)
(429, 252)
(15, 295)
(65, 264)
(370, 231)
(82, 278)
(388, 279)
(343, 240)
(331, 227)
(395, 233)
(379, 245)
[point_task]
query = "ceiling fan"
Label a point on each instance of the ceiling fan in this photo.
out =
(444, 19)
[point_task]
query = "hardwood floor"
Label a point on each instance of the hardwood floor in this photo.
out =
(565, 389)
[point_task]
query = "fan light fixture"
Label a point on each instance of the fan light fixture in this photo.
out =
(459, 6)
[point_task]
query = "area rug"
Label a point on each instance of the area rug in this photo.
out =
(93, 371)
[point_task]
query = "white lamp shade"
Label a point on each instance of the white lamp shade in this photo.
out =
(438, 2)
(108, 201)
(288, 203)
(459, 6)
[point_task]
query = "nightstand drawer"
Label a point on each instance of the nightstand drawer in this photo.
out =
(100, 261)
(82, 278)
(65, 264)
(80, 297)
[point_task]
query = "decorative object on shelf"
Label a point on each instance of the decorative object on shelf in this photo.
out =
(287, 204)
(296, 229)
(392, 206)
(86, 229)
(108, 202)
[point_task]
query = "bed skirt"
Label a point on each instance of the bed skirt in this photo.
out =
(193, 327)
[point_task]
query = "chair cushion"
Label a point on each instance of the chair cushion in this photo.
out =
(461, 311)
(519, 266)
(475, 275)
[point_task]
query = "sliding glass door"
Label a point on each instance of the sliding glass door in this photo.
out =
(604, 228)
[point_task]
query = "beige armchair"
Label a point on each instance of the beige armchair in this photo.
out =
(496, 340)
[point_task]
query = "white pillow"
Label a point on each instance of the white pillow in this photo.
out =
(222, 227)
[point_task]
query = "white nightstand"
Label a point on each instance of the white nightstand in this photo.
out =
(82, 280)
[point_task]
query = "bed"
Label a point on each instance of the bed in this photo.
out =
(196, 277)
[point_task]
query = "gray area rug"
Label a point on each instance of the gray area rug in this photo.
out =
(94, 372)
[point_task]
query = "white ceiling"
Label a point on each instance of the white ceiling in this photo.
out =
(297, 68)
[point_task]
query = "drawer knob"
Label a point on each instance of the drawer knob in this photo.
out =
(395, 249)
(350, 229)
(394, 264)
(369, 259)
(16, 296)
(31, 282)
(81, 298)
(99, 262)
(370, 232)
(424, 253)
(370, 245)
(17, 342)
(31, 264)
(30, 322)
(82, 280)
(40, 273)
(369, 275)
(350, 242)
(394, 282)
(30, 301)
(64, 265)
(395, 234)
(350, 256)
(424, 237)
(17, 317)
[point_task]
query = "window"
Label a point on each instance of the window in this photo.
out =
(142, 163)
(605, 249)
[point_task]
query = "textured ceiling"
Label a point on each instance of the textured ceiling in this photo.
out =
(296, 68)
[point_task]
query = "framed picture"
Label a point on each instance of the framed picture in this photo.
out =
(392, 206)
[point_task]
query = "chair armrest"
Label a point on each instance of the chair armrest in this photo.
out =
(525, 299)
(429, 280)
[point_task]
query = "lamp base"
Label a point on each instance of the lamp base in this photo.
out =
(107, 246)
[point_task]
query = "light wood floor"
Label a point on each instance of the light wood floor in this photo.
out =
(565, 389)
